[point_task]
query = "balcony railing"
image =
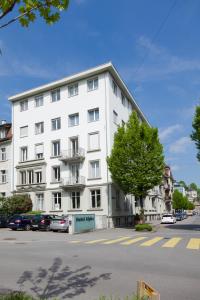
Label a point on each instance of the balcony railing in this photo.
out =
(73, 182)
(73, 155)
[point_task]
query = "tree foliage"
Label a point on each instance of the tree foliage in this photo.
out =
(136, 162)
(183, 184)
(195, 136)
(26, 11)
(16, 204)
(192, 186)
(181, 202)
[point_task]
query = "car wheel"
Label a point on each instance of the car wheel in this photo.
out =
(14, 229)
(27, 227)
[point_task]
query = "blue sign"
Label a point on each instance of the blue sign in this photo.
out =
(84, 223)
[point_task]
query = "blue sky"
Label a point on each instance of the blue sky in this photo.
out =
(161, 70)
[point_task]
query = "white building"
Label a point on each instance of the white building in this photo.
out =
(192, 195)
(62, 134)
(5, 158)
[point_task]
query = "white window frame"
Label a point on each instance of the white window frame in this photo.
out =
(23, 153)
(73, 90)
(3, 154)
(56, 196)
(30, 176)
(89, 142)
(39, 155)
(91, 84)
(38, 176)
(56, 124)
(96, 194)
(38, 201)
(115, 117)
(23, 105)
(55, 95)
(2, 133)
(76, 196)
(94, 173)
(23, 177)
(76, 117)
(56, 173)
(39, 128)
(39, 100)
(114, 87)
(21, 129)
(58, 148)
(3, 176)
(93, 113)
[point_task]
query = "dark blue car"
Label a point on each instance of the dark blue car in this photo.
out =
(20, 222)
(179, 216)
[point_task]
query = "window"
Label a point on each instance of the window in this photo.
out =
(55, 95)
(39, 201)
(114, 86)
(24, 131)
(117, 200)
(3, 154)
(56, 148)
(22, 177)
(92, 84)
(93, 115)
(94, 171)
(123, 99)
(2, 133)
(73, 90)
(39, 127)
(39, 151)
(56, 205)
(56, 173)
(2, 176)
(75, 198)
(115, 117)
(38, 176)
(24, 154)
(93, 141)
(23, 105)
(95, 198)
(39, 101)
(30, 178)
(73, 120)
(55, 124)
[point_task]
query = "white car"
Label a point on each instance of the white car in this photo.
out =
(168, 219)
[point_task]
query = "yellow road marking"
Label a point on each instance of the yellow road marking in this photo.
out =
(96, 241)
(74, 242)
(172, 242)
(193, 244)
(132, 241)
(152, 241)
(116, 241)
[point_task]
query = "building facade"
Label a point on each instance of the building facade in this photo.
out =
(62, 135)
(192, 195)
(167, 188)
(5, 158)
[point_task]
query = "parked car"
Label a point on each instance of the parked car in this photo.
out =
(20, 222)
(60, 223)
(179, 216)
(168, 219)
(42, 222)
(4, 221)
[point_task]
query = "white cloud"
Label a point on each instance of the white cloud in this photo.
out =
(164, 134)
(181, 145)
(175, 167)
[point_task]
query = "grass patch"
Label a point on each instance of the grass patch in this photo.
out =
(143, 227)
(16, 296)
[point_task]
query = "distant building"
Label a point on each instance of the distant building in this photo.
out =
(167, 186)
(191, 195)
(5, 158)
(180, 188)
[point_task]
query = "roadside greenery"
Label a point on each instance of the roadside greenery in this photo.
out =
(26, 11)
(143, 227)
(16, 204)
(181, 202)
(136, 162)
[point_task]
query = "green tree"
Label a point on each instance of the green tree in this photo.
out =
(195, 136)
(136, 162)
(177, 200)
(183, 184)
(27, 11)
(190, 206)
(16, 204)
(193, 186)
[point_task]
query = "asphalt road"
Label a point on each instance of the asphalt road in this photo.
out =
(107, 262)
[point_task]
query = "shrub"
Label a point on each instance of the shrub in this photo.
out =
(16, 296)
(142, 227)
(16, 204)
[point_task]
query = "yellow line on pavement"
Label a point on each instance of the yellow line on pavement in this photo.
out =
(172, 242)
(96, 241)
(193, 244)
(74, 242)
(152, 241)
(116, 240)
(133, 241)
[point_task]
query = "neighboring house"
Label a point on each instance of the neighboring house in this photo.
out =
(191, 195)
(5, 158)
(180, 188)
(167, 188)
(62, 135)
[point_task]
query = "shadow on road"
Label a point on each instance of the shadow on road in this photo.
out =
(59, 281)
(194, 227)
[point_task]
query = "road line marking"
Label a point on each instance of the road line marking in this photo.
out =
(152, 241)
(133, 241)
(193, 244)
(74, 242)
(116, 241)
(172, 242)
(96, 241)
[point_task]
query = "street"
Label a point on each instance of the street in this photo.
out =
(106, 262)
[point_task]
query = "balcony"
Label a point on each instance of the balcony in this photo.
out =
(73, 182)
(72, 155)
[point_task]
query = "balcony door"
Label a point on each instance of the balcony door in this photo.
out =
(75, 173)
(74, 146)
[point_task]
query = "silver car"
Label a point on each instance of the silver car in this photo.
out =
(60, 223)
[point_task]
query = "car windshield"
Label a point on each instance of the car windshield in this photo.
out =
(167, 216)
